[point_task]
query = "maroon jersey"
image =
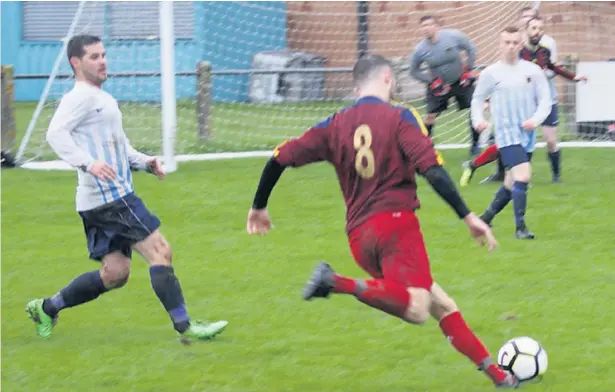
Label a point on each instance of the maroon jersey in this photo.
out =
(542, 57)
(376, 149)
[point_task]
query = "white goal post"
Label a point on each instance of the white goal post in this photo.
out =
(217, 80)
(169, 105)
(167, 81)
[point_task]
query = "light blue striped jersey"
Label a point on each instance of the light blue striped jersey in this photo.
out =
(517, 93)
(87, 126)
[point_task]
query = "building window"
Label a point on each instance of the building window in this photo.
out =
(131, 20)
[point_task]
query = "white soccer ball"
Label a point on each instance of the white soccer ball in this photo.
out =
(524, 357)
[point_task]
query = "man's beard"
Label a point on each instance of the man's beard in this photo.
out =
(93, 78)
(535, 40)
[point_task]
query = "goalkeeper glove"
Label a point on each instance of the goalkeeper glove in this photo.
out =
(467, 79)
(438, 88)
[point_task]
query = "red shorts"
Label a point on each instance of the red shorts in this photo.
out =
(390, 246)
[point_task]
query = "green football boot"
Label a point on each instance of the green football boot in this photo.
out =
(44, 323)
(200, 330)
(467, 174)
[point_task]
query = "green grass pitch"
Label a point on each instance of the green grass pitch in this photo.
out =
(559, 287)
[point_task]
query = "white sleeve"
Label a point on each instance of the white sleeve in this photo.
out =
(484, 87)
(543, 93)
(550, 44)
(137, 159)
(553, 48)
(69, 114)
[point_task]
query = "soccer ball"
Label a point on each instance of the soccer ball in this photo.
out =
(524, 357)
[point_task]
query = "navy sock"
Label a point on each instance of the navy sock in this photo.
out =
(429, 128)
(519, 196)
(169, 292)
(555, 158)
(501, 200)
(82, 289)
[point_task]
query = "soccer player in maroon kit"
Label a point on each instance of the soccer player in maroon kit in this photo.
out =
(376, 149)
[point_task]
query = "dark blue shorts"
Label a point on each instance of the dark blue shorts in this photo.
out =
(117, 226)
(512, 156)
(552, 119)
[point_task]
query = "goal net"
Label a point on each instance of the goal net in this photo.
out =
(250, 74)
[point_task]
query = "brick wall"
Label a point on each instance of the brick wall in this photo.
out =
(330, 29)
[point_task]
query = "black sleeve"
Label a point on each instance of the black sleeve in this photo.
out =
(441, 182)
(271, 174)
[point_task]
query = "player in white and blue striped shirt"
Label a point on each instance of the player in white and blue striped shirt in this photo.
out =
(87, 132)
(520, 100)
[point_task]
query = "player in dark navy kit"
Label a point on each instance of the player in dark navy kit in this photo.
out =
(377, 149)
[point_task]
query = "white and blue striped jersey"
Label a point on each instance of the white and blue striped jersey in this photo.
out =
(517, 93)
(87, 126)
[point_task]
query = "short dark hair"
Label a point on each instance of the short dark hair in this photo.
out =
(522, 10)
(534, 18)
(428, 17)
(510, 30)
(364, 68)
(76, 45)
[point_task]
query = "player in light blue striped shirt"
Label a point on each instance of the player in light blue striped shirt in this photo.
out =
(87, 132)
(520, 100)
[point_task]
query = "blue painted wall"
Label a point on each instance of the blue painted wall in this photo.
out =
(226, 34)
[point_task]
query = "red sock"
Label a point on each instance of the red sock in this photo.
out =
(464, 340)
(390, 297)
(489, 155)
(344, 285)
(495, 373)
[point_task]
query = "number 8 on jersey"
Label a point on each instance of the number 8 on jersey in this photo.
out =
(364, 159)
